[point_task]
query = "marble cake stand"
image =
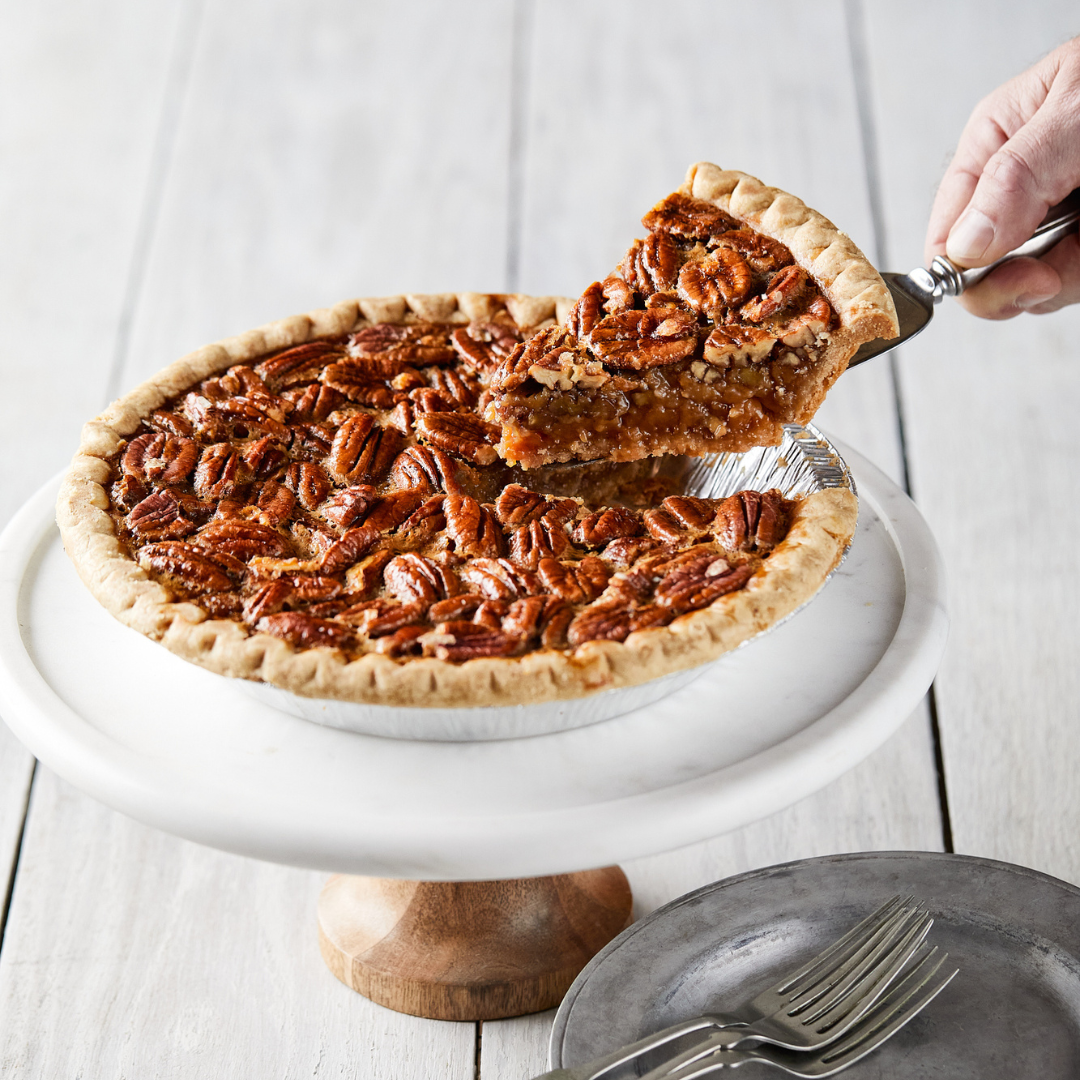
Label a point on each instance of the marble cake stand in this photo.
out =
(181, 749)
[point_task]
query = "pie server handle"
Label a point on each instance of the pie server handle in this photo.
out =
(915, 294)
(1058, 223)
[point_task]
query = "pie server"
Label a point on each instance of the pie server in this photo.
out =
(915, 294)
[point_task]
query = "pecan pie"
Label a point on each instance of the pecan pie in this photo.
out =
(733, 317)
(318, 504)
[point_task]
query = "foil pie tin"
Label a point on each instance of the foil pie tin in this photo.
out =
(804, 462)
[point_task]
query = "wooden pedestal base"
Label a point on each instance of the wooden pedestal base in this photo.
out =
(474, 950)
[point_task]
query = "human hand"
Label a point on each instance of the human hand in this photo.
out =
(1019, 154)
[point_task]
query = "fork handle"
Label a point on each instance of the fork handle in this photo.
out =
(596, 1068)
(718, 1046)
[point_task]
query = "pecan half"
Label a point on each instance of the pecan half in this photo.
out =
(127, 492)
(458, 641)
(419, 468)
(500, 579)
(172, 423)
(393, 509)
(186, 566)
(784, 290)
(604, 525)
(343, 553)
(415, 579)
(223, 605)
(472, 528)
(349, 507)
(450, 384)
(692, 513)
(627, 550)
(694, 219)
(158, 517)
(599, 623)
(306, 631)
(764, 254)
(664, 525)
(576, 583)
(221, 471)
(311, 442)
(419, 344)
(484, 345)
(752, 521)
(169, 459)
(461, 434)
(697, 584)
(517, 505)
(308, 482)
(455, 607)
(264, 457)
(365, 379)
(362, 450)
(556, 621)
(313, 403)
(651, 265)
(644, 339)
(426, 399)
(425, 523)
(301, 364)
(538, 540)
(244, 539)
(720, 280)
(524, 619)
(274, 502)
(805, 327)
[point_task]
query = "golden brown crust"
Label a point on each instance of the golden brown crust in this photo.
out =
(821, 530)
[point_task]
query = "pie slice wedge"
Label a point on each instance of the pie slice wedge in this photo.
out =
(733, 317)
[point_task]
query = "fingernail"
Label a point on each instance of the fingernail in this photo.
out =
(1030, 300)
(970, 236)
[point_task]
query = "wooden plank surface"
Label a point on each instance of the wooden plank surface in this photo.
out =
(82, 92)
(77, 143)
(132, 953)
(326, 151)
(990, 409)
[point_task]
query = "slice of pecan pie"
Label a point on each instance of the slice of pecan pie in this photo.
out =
(319, 504)
(733, 317)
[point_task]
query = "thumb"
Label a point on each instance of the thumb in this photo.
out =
(1034, 169)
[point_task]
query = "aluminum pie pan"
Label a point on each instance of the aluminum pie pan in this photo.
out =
(803, 463)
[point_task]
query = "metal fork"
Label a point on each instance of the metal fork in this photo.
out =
(905, 999)
(808, 1008)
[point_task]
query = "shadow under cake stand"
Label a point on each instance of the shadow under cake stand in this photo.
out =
(463, 885)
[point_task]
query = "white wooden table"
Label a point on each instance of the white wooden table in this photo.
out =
(174, 172)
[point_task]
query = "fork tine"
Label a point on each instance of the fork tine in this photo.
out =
(907, 998)
(867, 980)
(864, 957)
(829, 958)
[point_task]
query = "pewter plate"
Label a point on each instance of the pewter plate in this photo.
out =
(1012, 1012)
(804, 462)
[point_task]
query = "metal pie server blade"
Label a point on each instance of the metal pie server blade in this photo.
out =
(915, 294)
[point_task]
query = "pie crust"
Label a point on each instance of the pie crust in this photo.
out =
(734, 317)
(821, 526)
